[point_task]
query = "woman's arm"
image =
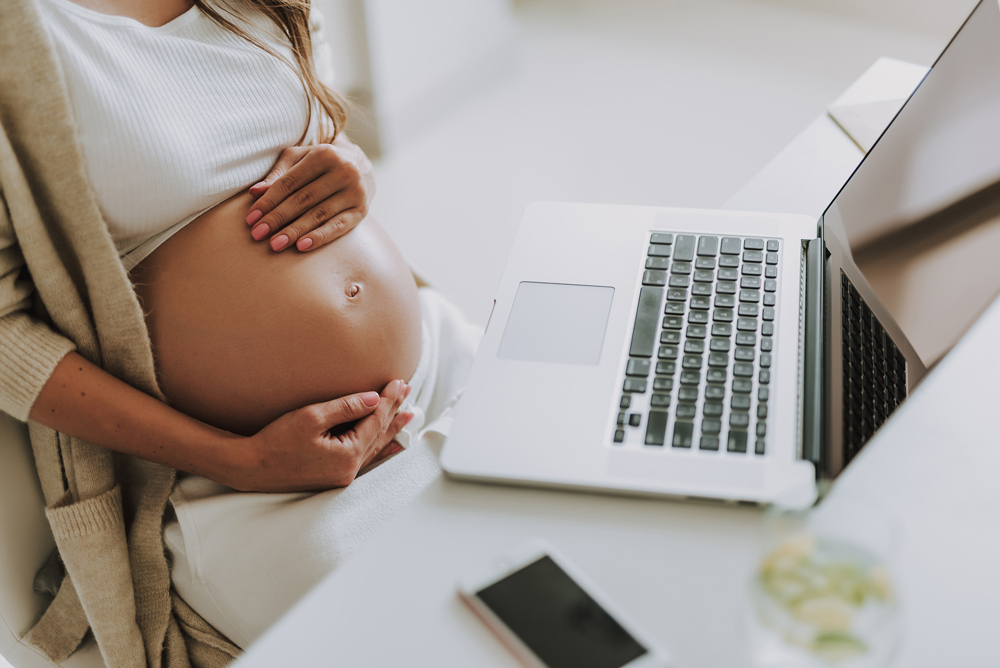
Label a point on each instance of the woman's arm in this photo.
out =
(294, 453)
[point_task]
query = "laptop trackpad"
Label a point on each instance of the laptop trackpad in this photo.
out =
(555, 322)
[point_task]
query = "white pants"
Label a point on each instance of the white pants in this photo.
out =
(241, 560)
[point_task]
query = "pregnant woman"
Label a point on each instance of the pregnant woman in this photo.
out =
(187, 277)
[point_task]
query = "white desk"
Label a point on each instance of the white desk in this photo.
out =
(680, 569)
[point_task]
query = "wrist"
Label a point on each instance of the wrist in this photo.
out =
(226, 458)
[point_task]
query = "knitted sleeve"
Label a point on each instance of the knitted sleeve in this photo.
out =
(29, 349)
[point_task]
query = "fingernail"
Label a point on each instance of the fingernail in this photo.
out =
(279, 242)
(259, 184)
(304, 244)
(254, 216)
(370, 398)
(260, 232)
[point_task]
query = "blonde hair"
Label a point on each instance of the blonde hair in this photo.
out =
(292, 18)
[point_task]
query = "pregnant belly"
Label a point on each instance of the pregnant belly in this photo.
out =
(242, 335)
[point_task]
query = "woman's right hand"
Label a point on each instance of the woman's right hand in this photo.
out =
(323, 445)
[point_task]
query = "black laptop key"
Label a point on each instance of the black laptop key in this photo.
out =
(690, 377)
(660, 401)
(626, 401)
(711, 426)
(673, 322)
(743, 370)
(762, 412)
(665, 369)
(725, 301)
(742, 385)
(661, 238)
(634, 420)
(719, 345)
(680, 267)
(691, 362)
(697, 331)
(701, 303)
(730, 246)
(716, 375)
(686, 411)
(621, 419)
(658, 250)
(744, 354)
(677, 295)
(687, 394)
(657, 263)
(654, 277)
(646, 320)
(708, 246)
(765, 377)
(708, 442)
(740, 402)
(619, 436)
(663, 384)
(683, 432)
(737, 441)
(704, 275)
(656, 427)
(753, 244)
(667, 353)
(679, 280)
(715, 392)
(637, 367)
(637, 385)
(674, 308)
(698, 317)
(718, 360)
(722, 315)
(701, 289)
(762, 394)
(670, 337)
(694, 346)
(765, 360)
(722, 329)
(726, 287)
(684, 247)
(758, 447)
(713, 409)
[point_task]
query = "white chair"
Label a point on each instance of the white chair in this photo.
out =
(25, 544)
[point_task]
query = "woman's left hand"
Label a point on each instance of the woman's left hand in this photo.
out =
(313, 195)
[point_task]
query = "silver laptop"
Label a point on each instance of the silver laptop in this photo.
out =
(723, 355)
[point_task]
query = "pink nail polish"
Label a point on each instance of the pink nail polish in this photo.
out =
(260, 232)
(254, 216)
(304, 244)
(259, 184)
(370, 398)
(279, 242)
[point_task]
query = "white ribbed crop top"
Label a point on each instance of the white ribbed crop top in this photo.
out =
(172, 120)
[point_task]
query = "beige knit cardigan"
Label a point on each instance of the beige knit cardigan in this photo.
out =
(63, 288)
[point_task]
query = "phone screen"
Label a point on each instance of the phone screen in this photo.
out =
(558, 620)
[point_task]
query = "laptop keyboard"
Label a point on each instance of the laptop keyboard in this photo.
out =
(874, 371)
(699, 369)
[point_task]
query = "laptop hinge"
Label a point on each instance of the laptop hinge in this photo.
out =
(812, 393)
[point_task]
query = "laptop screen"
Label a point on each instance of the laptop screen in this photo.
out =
(922, 211)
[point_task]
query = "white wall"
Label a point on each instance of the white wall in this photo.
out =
(427, 55)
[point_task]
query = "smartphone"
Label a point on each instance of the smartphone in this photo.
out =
(547, 613)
